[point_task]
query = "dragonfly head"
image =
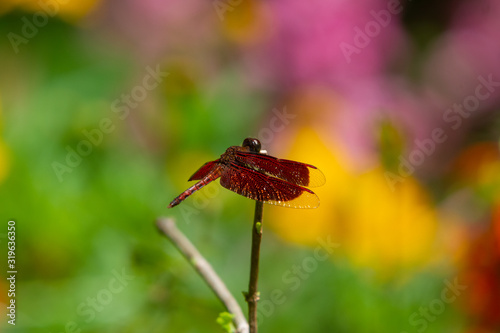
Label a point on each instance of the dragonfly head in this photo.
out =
(253, 144)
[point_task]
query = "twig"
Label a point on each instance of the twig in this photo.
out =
(253, 295)
(167, 226)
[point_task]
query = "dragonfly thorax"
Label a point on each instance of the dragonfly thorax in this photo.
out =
(230, 155)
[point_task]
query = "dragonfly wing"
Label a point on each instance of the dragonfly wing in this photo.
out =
(258, 186)
(204, 170)
(291, 171)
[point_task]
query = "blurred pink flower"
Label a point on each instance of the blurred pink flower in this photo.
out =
(307, 41)
(468, 50)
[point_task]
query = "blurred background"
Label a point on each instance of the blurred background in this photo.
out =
(107, 108)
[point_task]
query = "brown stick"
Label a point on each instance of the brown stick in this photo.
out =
(253, 295)
(168, 228)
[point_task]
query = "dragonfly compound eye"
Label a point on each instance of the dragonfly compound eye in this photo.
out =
(253, 144)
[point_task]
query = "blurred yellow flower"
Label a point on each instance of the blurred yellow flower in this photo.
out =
(4, 161)
(375, 226)
(244, 22)
(68, 10)
(4, 156)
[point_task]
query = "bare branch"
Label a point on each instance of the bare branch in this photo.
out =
(168, 228)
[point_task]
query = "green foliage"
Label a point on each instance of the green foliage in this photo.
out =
(225, 320)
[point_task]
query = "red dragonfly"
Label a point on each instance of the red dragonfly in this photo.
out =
(255, 175)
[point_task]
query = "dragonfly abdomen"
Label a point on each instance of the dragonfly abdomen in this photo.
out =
(199, 185)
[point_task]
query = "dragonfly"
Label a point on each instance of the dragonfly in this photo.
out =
(250, 172)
